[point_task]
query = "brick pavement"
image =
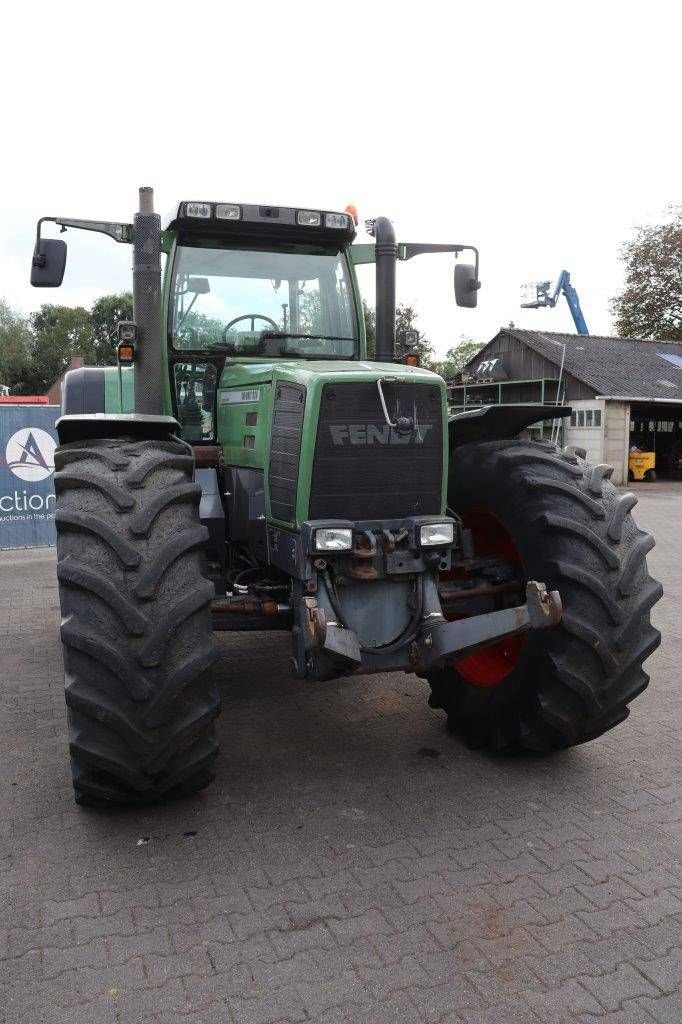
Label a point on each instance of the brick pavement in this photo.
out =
(338, 871)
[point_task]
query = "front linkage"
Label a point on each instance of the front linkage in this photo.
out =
(326, 645)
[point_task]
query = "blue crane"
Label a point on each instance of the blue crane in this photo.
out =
(562, 287)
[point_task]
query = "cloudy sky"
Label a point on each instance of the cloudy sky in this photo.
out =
(541, 132)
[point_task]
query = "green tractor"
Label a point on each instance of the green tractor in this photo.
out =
(246, 467)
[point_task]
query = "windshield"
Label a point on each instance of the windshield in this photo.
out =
(292, 302)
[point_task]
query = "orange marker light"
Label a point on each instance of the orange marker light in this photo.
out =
(126, 353)
(352, 211)
(412, 359)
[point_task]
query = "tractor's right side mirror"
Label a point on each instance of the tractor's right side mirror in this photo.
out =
(466, 285)
(49, 261)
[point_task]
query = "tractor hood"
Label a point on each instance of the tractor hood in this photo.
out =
(247, 373)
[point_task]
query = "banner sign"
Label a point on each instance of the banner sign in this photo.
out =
(27, 443)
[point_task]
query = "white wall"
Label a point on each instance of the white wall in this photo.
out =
(617, 440)
(590, 438)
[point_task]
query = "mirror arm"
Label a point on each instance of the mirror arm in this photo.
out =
(406, 250)
(119, 232)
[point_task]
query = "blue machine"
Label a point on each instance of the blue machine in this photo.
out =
(563, 286)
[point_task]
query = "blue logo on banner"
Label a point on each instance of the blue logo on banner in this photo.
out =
(27, 441)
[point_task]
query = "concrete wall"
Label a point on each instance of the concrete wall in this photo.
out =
(617, 440)
(609, 441)
(590, 437)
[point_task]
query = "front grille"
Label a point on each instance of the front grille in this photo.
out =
(285, 450)
(365, 470)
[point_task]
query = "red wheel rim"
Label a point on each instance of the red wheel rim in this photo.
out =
(493, 664)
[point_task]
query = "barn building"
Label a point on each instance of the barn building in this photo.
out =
(625, 393)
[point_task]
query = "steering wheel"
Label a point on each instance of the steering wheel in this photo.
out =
(248, 316)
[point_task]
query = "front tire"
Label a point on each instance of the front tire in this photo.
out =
(136, 630)
(571, 529)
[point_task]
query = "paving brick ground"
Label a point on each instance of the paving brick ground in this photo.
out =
(338, 871)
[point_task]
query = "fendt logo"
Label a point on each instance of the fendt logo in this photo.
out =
(364, 434)
(30, 454)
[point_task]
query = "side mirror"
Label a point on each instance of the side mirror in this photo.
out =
(198, 285)
(466, 285)
(49, 261)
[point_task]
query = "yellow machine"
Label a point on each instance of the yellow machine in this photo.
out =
(642, 466)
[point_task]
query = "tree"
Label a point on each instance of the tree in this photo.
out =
(457, 357)
(16, 342)
(650, 305)
(405, 318)
(59, 332)
(105, 315)
(370, 329)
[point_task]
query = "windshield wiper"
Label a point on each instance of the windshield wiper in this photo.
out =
(274, 335)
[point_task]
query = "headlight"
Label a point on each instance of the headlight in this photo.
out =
(331, 538)
(309, 218)
(435, 535)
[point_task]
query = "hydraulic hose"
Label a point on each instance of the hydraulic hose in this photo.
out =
(407, 634)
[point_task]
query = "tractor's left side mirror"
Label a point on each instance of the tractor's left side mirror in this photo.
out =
(198, 285)
(49, 261)
(466, 285)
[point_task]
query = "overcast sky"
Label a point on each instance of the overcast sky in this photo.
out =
(540, 132)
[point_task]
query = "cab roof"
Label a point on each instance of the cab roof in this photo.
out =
(204, 217)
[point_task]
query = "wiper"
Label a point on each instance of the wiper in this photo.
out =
(275, 335)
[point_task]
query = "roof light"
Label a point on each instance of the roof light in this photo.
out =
(339, 221)
(309, 218)
(200, 210)
(228, 211)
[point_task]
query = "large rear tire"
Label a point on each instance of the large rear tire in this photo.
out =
(136, 630)
(564, 523)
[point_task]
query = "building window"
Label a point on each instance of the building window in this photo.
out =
(574, 419)
(588, 417)
(581, 418)
(597, 417)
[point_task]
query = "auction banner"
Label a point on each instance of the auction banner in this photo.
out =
(27, 443)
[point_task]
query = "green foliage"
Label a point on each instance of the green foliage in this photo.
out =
(457, 357)
(15, 346)
(309, 312)
(370, 329)
(59, 332)
(650, 305)
(405, 318)
(36, 350)
(199, 331)
(105, 314)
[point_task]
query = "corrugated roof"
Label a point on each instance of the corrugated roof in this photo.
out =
(628, 367)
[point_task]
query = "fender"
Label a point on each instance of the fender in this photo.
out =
(98, 389)
(497, 422)
(90, 425)
(97, 401)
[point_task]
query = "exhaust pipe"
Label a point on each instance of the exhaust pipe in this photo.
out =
(386, 257)
(147, 306)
